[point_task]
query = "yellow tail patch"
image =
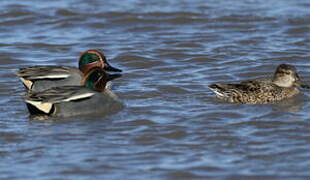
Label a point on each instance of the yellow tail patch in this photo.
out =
(27, 83)
(45, 107)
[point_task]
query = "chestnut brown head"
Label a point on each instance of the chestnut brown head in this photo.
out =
(94, 58)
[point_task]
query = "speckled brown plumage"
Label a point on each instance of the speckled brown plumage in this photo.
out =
(261, 91)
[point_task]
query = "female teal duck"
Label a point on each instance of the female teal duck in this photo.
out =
(65, 101)
(40, 78)
(261, 91)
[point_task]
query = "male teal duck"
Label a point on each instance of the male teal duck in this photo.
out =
(64, 101)
(261, 91)
(40, 78)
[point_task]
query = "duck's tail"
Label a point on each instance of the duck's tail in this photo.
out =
(219, 90)
(37, 107)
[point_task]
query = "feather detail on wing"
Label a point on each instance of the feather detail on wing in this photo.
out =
(61, 94)
(44, 72)
(45, 100)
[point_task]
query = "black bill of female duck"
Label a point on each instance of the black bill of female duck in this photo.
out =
(261, 91)
(40, 78)
(91, 98)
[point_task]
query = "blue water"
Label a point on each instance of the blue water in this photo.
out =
(171, 126)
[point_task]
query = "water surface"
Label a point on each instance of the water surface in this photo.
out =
(171, 127)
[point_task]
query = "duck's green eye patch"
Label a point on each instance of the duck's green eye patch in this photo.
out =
(88, 58)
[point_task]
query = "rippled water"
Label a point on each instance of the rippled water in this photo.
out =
(171, 127)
